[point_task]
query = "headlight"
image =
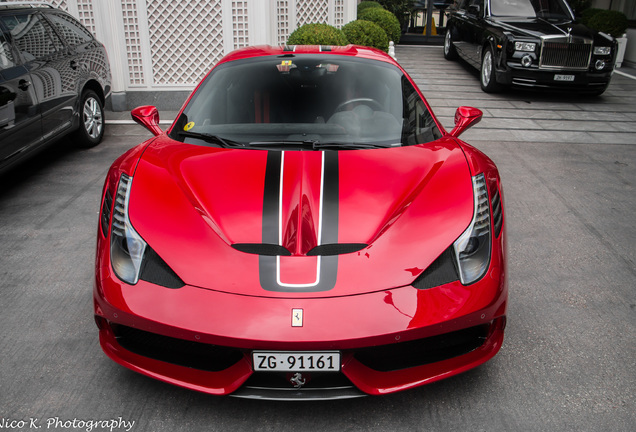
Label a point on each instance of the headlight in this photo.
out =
(126, 246)
(472, 248)
(525, 46)
(602, 50)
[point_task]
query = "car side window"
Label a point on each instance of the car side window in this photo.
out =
(31, 36)
(73, 31)
(6, 56)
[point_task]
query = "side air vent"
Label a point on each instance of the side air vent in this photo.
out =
(156, 271)
(106, 208)
(440, 272)
(497, 214)
(262, 249)
(336, 249)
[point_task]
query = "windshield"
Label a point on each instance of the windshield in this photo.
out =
(546, 9)
(307, 100)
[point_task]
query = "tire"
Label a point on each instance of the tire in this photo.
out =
(487, 77)
(91, 127)
(450, 53)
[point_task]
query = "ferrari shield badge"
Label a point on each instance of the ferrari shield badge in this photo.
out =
(297, 317)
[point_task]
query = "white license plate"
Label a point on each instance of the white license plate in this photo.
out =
(276, 361)
(558, 77)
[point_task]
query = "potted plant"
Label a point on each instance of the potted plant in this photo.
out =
(613, 23)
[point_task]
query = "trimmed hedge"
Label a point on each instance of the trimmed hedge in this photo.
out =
(386, 20)
(317, 34)
(610, 22)
(366, 33)
(368, 5)
(587, 14)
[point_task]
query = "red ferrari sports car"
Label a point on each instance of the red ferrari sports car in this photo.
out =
(306, 229)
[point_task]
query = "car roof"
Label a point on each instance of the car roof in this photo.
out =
(26, 5)
(348, 50)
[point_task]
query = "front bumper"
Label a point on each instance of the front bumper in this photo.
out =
(389, 341)
(584, 81)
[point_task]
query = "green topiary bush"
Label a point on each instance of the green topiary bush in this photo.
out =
(317, 34)
(386, 20)
(587, 14)
(368, 5)
(366, 33)
(610, 22)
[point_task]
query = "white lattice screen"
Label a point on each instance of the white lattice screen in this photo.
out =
(339, 13)
(282, 21)
(312, 11)
(132, 37)
(186, 39)
(240, 33)
(85, 14)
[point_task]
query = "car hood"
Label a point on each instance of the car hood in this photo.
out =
(351, 221)
(537, 28)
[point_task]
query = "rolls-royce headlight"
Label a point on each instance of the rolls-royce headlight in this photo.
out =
(126, 245)
(525, 46)
(472, 248)
(602, 50)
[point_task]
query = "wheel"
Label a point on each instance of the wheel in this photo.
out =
(487, 74)
(450, 53)
(91, 128)
(372, 103)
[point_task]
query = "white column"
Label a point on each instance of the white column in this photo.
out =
(110, 31)
(260, 22)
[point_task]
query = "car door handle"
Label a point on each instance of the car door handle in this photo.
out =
(24, 84)
(74, 64)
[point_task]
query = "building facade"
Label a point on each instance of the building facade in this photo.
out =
(159, 49)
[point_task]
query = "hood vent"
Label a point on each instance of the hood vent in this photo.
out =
(336, 249)
(262, 249)
(277, 250)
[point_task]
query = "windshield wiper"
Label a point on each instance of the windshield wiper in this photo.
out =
(318, 145)
(224, 142)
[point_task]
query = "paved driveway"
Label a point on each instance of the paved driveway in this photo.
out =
(568, 362)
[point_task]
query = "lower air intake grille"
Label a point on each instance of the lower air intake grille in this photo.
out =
(419, 352)
(181, 352)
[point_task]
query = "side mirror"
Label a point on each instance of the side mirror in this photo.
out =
(148, 117)
(474, 9)
(465, 117)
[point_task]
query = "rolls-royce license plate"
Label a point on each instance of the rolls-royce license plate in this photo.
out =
(558, 77)
(276, 361)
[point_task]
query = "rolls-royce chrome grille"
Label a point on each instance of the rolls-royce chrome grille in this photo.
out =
(565, 53)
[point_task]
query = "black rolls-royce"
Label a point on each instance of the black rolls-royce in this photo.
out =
(529, 43)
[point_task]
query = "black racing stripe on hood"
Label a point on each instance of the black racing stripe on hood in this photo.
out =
(330, 206)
